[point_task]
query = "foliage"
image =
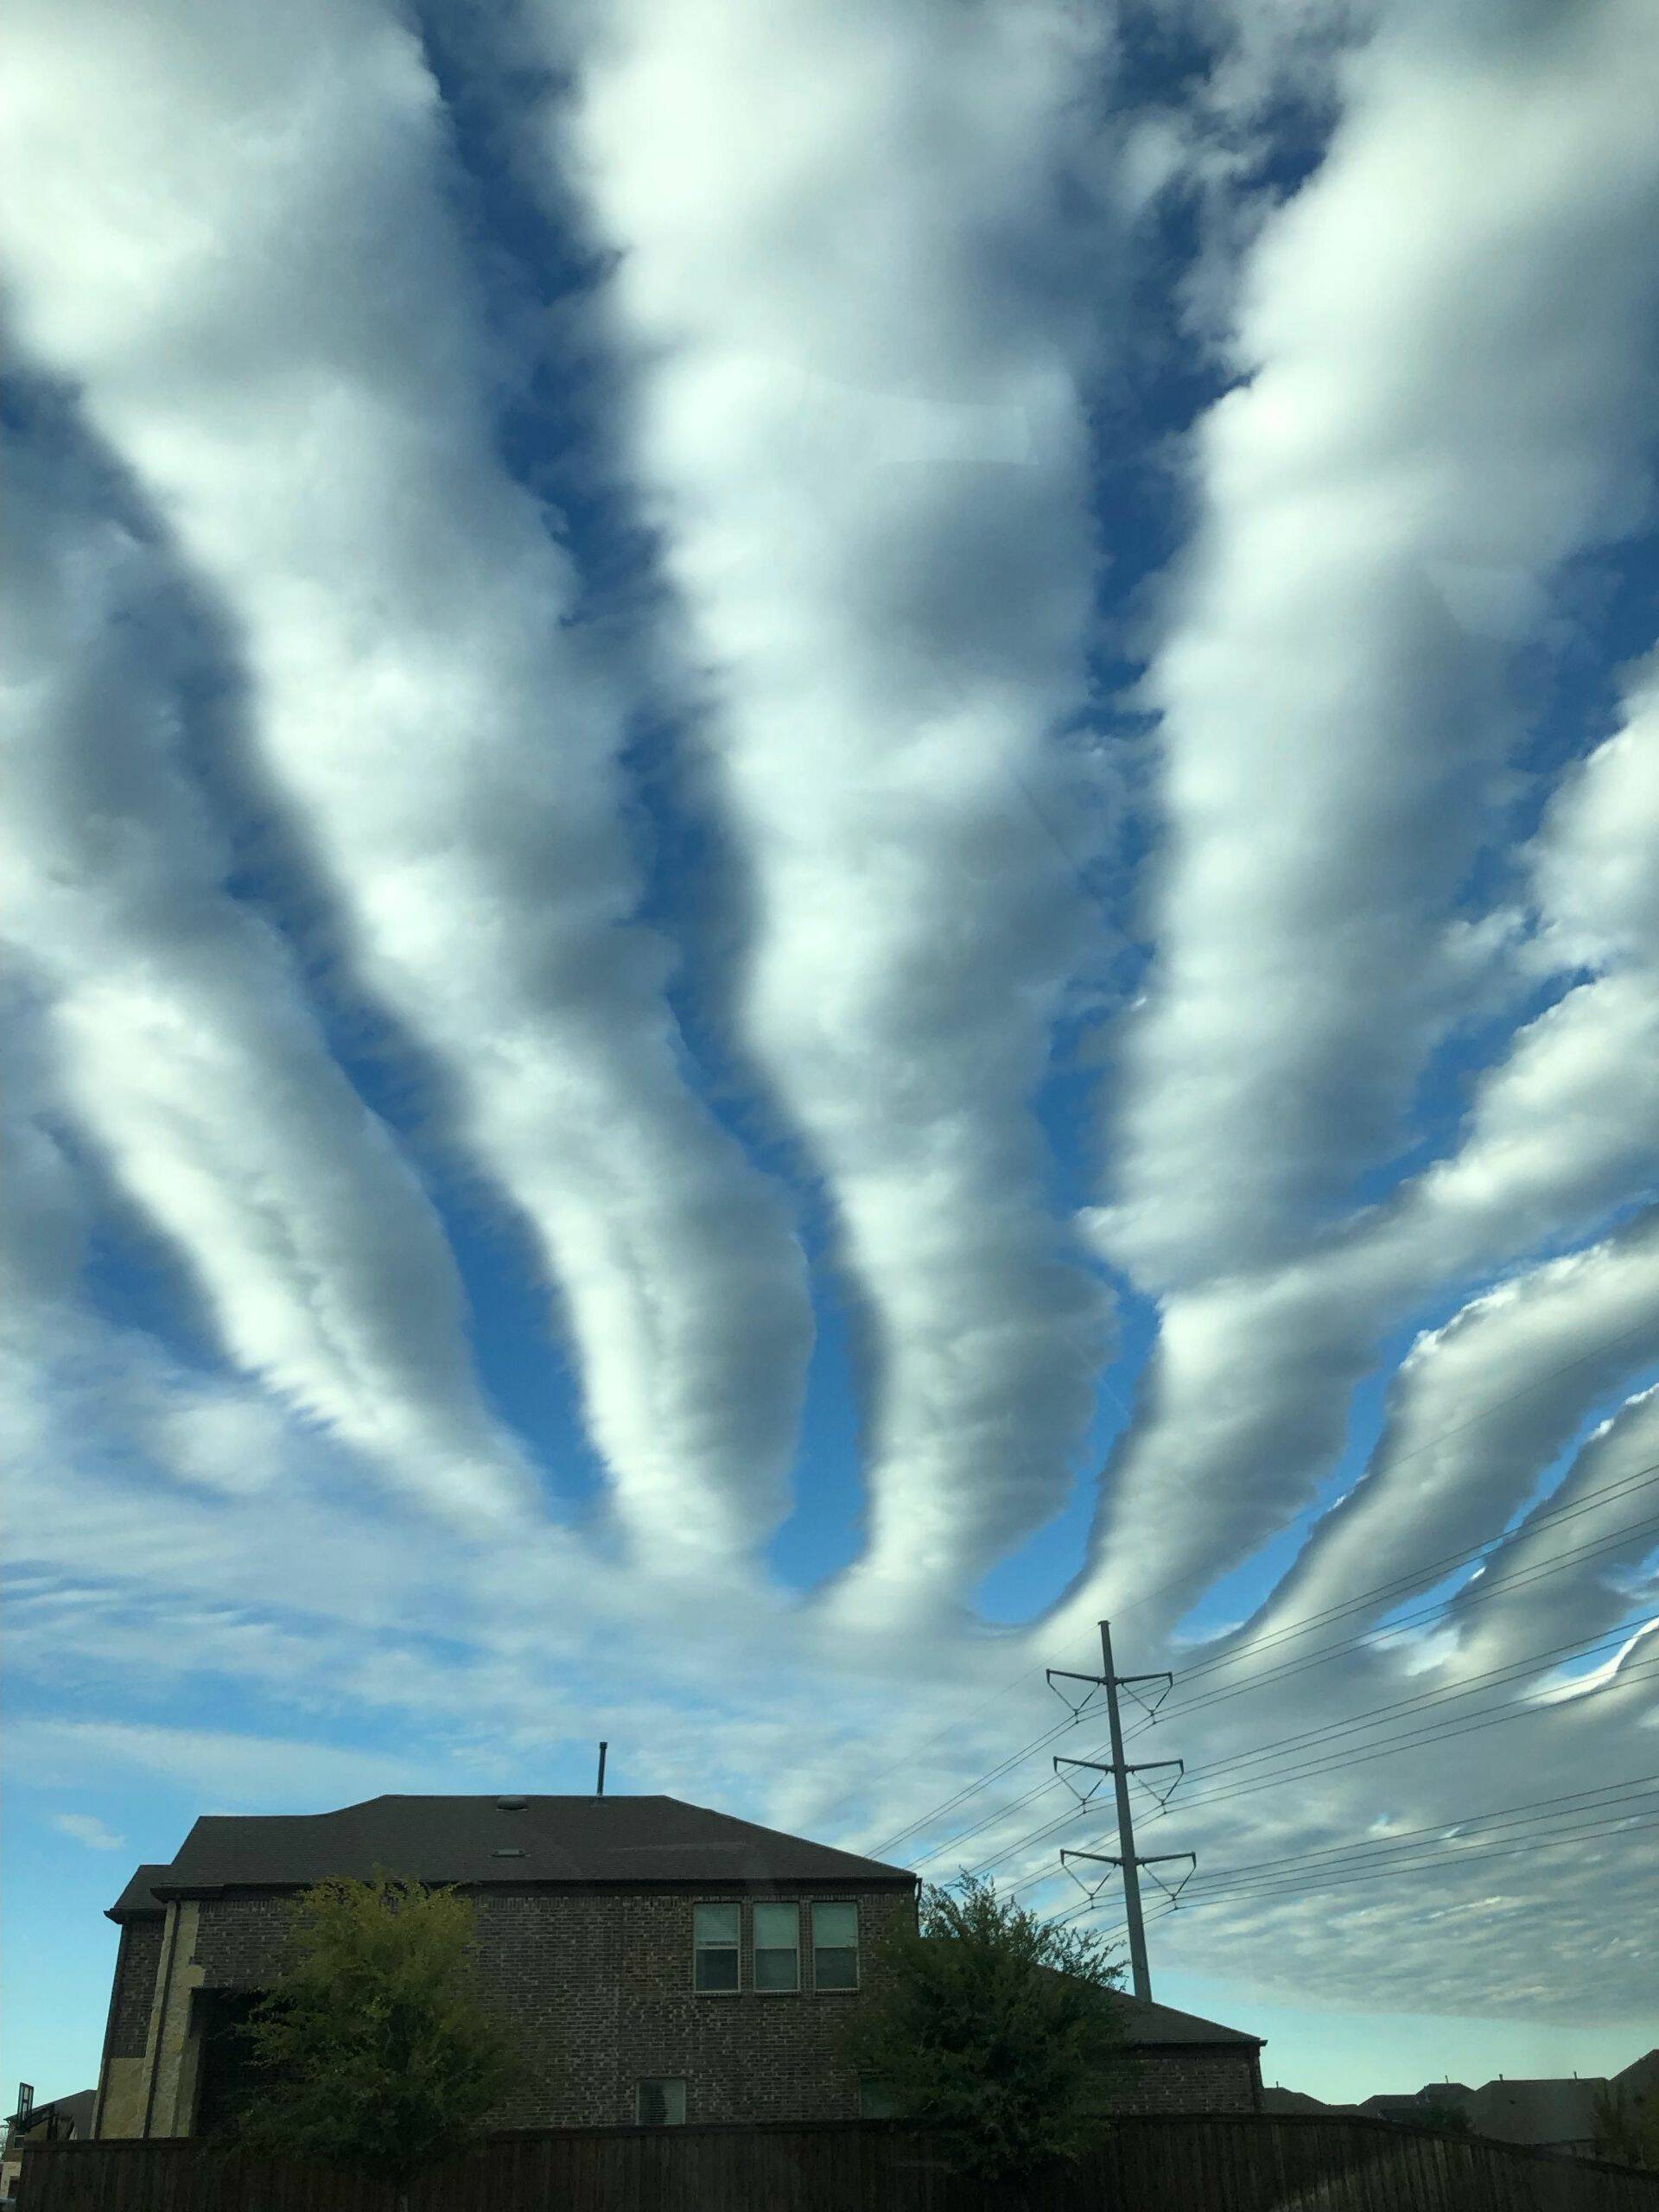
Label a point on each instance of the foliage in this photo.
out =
(373, 2050)
(1450, 2119)
(1627, 2128)
(993, 2027)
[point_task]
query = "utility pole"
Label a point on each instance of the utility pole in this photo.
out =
(1126, 1857)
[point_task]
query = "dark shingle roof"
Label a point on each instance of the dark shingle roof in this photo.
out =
(1151, 2027)
(602, 1840)
(1148, 2025)
(139, 1900)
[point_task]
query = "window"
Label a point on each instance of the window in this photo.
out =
(716, 1932)
(661, 2103)
(835, 1946)
(876, 2100)
(776, 1947)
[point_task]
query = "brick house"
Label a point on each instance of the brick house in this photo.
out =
(1175, 2061)
(660, 1962)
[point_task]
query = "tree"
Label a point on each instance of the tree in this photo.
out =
(1449, 2119)
(373, 2049)
(1627, 2128)
(995, 2029)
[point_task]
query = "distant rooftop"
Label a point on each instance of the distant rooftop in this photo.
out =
(477, 1842)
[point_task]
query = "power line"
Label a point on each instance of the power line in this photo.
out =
(1535, 1574)
(1438, 1732)
(1448, 1561)
(1625, 1822)
(1447, 1694)
(996, 1697)
(1516, 1709)
(1468, 1596)
(972, 1789)
(1533, 1808)
(1642, 1479)
(1487, 1412)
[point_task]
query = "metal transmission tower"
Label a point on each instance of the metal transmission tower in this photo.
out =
(1126, 1858)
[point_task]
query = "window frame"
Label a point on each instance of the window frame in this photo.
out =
(662, 2081)
(838, 1989)
(791, 1905)
(697, 1949)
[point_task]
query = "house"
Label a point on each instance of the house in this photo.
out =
(1177, 2063)
(1550, 2113)
(63, 2120)
(660, 1962)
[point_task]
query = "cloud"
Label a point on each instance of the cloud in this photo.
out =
(175, 1038)
(1478, 1411)
(235, 229)
(1612, 1499)
(87, 1828)
(857, 432)
(855, 311)
(246, 1771)
(1244, 1402)
(1447, 379)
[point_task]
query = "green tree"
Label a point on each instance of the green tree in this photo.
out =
(1449, 2119)
(995, 2029)
(373, 2049)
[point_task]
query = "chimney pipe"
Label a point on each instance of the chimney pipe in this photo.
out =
(600, 1791)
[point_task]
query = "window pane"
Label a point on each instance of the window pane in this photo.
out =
(717, 1969)
(778, 1969)
(719, 1923)
(777, 1927)
(876, 2100)
(662, 2104)
(835, 1969)
(835, 1927)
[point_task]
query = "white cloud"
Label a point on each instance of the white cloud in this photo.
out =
(1594, 869)
(1479, 1411)
(1447, 342)
(234, 225)
(249, 1772)
(175, 1035)
(857, 431)
(87, 1828)
(862, 442)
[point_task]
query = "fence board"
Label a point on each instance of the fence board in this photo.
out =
(1234, 2164)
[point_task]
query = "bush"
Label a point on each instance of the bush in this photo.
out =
(994, 2028)
(373, 2050)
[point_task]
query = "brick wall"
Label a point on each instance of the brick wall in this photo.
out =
(239, 1940)
(137, 1962)
(598, 1987)
(1182, 2078)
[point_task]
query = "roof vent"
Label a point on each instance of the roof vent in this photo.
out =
(510, 1804)
(508, 1851)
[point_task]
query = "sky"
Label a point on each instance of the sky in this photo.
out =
(832, 841)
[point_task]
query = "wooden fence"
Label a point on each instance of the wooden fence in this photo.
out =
(1238, 2163)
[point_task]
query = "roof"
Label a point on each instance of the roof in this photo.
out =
(1151, 2027)
(139, 1900)
(482, 1840)
(1550, 2111)
(1276, 2100)
(77, 2109)
(1640, 2079)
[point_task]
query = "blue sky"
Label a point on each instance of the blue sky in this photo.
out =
(835, 832)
